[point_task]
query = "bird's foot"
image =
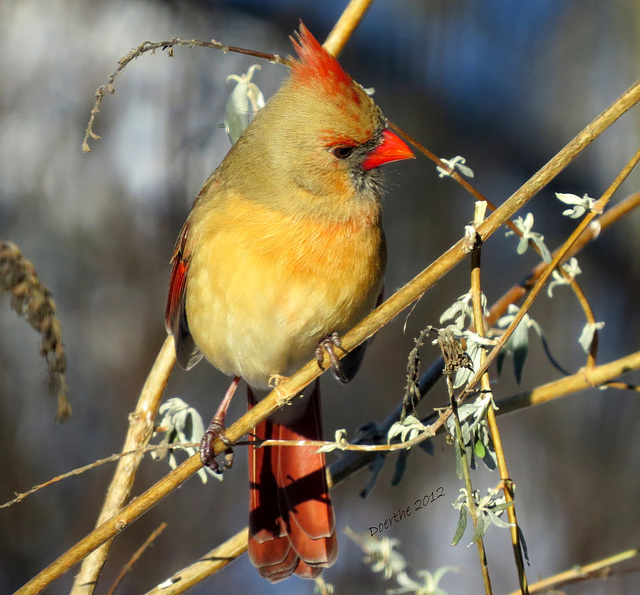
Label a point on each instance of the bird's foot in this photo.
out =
(329, 345)
(216, 429)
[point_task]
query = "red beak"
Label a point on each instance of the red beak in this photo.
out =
(392, 148)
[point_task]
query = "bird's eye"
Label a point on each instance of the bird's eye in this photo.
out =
(342, 151)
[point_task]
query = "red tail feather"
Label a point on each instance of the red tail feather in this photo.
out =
(291, 518)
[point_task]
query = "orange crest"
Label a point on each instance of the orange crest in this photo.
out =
(316, 66)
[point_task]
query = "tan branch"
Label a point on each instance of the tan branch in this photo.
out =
(507, 484)
(141, 423)
(478, 319)
(346, 25)
(209, 564)
(598, 569)
(581, 380)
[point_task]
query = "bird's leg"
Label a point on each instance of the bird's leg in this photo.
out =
(216, 429)
(329, 344)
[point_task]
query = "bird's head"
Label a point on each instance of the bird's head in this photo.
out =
(337, 132)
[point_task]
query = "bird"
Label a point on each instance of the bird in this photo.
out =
(283, 251)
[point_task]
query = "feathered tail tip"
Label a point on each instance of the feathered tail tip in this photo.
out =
(315, 64)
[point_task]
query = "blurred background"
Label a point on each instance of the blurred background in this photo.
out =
(505, 84)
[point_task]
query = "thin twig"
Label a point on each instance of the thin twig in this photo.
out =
(507, 484)
(80, 470)
(471, 503)
(346, 446)
(136, 556)
(476, 300)
(152, 46)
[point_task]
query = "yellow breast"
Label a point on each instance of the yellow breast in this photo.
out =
(264, 287)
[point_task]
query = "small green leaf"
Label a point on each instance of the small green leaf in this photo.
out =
(502, 506)
(482, 525)
(462, 525)
(459, 455)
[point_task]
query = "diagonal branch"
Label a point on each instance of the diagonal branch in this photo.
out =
(136, 556)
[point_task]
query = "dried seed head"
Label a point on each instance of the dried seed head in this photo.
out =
(33, 302)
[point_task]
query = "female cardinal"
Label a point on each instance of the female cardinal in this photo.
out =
(283, 249)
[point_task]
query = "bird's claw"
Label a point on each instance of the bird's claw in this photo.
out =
(215, 430)
(329, 344)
